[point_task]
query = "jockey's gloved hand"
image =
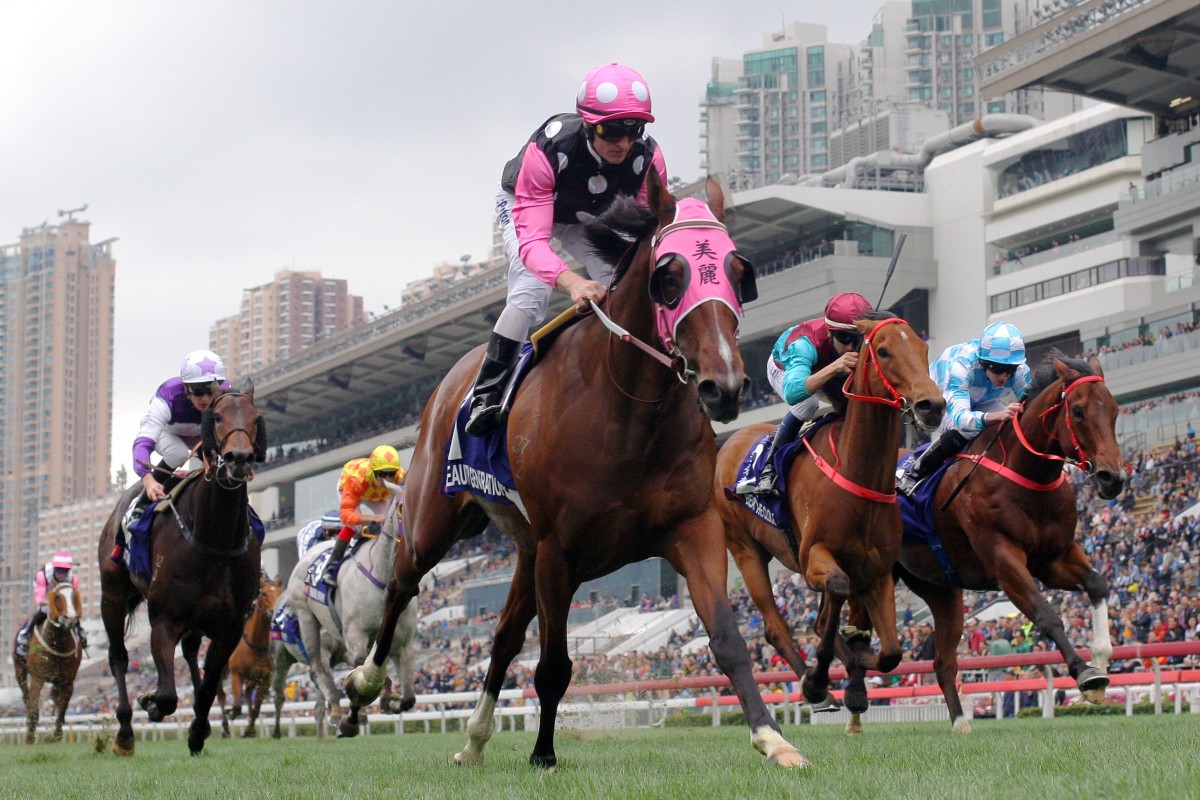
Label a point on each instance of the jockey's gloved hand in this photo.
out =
(372, 529)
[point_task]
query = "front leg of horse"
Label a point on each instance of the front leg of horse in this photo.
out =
(823, 575)
(163, 702)
(33, 708)
(356, 653)
(365, 681)
(118, 665)
(215, 661)
(699, 555)
(62, 698)
(1018, 584)
(1074, 572)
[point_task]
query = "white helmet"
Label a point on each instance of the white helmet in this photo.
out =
(202, 366)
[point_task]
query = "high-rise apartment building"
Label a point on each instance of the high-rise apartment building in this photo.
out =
(56, 374)
(943, 37)
(770, 116)
(281, 318)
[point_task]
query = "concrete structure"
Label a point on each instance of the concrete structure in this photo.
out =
(56, 357)
(283, 317)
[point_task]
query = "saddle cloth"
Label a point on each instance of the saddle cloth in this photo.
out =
(136, 553)
(285, 627)
(917, 512)
(314, 588)
(772, 510)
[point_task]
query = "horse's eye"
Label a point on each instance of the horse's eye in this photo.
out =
(1076, 413)
(883, 352)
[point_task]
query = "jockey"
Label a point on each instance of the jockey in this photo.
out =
(59, 569)
(317, 531)
(806, 357)
(573, 163)
(983, 381)
(362, 483)
(171, 426)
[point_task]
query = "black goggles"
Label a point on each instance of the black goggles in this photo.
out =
(386, 474)
(847, 337)
(199, 389)
(614, 130)
(999, 369)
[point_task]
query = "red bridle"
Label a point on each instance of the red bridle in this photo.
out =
(1080, 460)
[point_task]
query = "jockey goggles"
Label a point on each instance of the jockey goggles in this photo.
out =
(847, 337)
(999, 369)
(199, 389)
(614, 130)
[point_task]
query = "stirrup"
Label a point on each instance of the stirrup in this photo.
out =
(483, 418)
(746, 485)
(766, 484)
(907, 483)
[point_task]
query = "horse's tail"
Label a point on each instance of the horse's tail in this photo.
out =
(134, 602)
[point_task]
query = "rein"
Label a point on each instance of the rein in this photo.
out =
(37, 632)
(998, 467)
(222, 477)
(896, 401)
(201, 547)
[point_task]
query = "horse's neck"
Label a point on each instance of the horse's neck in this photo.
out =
(870, 432)
(1037, 432)
(258, 627)
(216, 512)
(623, 369)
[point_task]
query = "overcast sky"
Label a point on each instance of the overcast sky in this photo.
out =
(222, 141)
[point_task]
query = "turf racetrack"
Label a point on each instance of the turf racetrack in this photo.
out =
(1139, 758)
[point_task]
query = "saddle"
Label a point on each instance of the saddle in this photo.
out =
(539, 345)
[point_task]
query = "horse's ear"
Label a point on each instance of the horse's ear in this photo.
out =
(1097, 367)
(248, 388)
(661, 201)
(260, 439)
(716, 198)
(208, 435)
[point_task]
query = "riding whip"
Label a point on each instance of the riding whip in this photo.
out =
(891, 267)
(971, 471)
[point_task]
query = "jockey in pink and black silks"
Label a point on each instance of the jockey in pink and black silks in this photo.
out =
(574, 162)
(806, 357)
(59, 569)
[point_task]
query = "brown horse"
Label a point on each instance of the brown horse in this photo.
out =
(250, 665)
(842, 502)
(205, 571)
(612, 456)
(54, 655)
(1014, 520)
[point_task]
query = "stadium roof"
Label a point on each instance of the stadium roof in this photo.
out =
(1144, 54)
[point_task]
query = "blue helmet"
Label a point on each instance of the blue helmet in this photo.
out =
(1002, 343)
(331, 519)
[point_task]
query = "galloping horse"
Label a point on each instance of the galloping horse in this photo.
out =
(612, 452)
(205, 571)
(54, 655)
(353, 620)
(250, 665)
(1014, 520)
(842, 502)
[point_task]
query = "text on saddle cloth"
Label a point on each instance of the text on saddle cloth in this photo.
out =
(773, 510)
(479, 464)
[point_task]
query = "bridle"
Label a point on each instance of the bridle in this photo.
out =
(1080, 460)
(218, 470)
(896, 400)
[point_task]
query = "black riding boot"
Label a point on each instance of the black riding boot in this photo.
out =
(927, 463)
(785, 434)
(329, 574)
(26, 632)
(493, 376)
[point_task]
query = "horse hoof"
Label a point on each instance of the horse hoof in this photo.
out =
(788, 758)
(854, 726)
(856, 701)
(812, 691)
(407, 704)
(468, 757)
(1092, 680)
(121, 750)
(196, 748)
(548, 762)
(961, 725)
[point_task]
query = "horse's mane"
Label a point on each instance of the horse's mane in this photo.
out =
(1045, 374)
(833, 389)
(611, 235)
